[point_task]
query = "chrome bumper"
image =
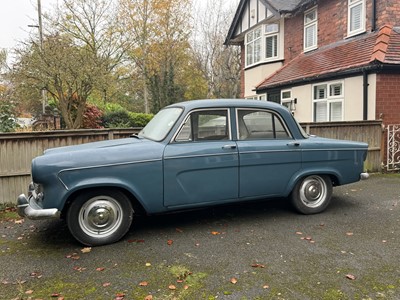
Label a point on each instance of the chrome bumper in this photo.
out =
(28, 208)
(364, 176)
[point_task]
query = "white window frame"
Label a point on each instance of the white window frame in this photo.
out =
(261, 97)
(286, 98)
(313, 25)
(328, 99)
(352, 4)
(271, 32)
(254, 42)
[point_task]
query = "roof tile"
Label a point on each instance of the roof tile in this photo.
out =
(382, 46)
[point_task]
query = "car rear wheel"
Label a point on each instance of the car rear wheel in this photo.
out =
(312, 194)
(99, 217)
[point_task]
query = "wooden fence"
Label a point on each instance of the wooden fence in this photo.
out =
(18, 149)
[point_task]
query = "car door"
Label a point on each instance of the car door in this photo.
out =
(201, 162)
(268, 154)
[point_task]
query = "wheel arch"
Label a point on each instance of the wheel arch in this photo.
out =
(333, 175)
(137, 205)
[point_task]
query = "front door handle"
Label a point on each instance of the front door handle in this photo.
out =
(229, 147)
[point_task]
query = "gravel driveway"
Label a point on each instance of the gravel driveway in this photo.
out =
(260, 250)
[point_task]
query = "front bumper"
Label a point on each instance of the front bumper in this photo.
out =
(27, 207)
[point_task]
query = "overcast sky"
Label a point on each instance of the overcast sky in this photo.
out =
(15, 16)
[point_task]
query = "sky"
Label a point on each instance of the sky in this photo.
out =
(15, 16)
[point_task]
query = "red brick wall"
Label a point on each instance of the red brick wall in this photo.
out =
(332, 23)
(388, 12)
(388, 98)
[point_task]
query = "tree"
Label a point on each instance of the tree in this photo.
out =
(160, 53)
(79, 56)
(220, 64)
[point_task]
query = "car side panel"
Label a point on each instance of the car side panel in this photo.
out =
(200, 172)
(266, 166)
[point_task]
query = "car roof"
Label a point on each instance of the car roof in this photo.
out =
(213, 103)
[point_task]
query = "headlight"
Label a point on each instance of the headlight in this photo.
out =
(35, 190)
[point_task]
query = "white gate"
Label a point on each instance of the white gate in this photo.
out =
(393, 147)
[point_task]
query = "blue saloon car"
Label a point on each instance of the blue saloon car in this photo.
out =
(190, 155)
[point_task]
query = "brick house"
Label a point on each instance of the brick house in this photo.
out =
(327, 60)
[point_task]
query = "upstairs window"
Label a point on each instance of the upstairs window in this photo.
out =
(253, 47)
(271, 41)
(356, 17)
(262, 44)
(310, 29)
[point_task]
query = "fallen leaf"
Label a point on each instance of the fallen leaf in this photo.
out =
(144, 283)
(148, 264)
(349, 233)
(135, 241)
(215, 232)
(299, 232)
(258, 266)
(185, 287)
(149, 297)
(233, 280)
(350, 276)
(265, 286)
(100, 269)
(86, 249)
(29, 292)
(106, 284)
(170, 242)
(54, 295)
(172, 287)
(19, 221)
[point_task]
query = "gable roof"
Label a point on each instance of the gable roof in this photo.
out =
(344, 57)
(277, 7)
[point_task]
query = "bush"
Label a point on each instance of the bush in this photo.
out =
(139, 119)
(125, 119)
(7, 118)
(92, 117)
(116, 119)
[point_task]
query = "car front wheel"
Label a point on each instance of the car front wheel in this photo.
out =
(312, 194)
(99, 217)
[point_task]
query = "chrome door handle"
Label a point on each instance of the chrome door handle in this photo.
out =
(229, 147)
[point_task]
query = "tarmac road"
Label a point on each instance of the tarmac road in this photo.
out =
(260, 250)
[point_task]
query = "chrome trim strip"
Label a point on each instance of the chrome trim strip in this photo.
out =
(228, 115)
(276, 114)
(201, 155)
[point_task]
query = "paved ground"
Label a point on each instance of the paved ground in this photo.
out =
(253, 251)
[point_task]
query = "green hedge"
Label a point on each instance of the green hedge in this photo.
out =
(125, 119)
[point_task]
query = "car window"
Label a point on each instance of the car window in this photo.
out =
(205, 125)
(260, 124)
(161, 124)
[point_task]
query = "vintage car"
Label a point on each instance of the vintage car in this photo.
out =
(190, 155)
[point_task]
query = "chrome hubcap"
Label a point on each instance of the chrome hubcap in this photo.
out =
(101, 215)
(313, 191)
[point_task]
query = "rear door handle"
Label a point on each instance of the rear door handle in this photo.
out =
(229, 147)
(294, 144)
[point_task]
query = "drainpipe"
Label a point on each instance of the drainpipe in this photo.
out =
(365, 95)
(373, 21)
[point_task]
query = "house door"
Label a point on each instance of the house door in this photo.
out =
(274, 96)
